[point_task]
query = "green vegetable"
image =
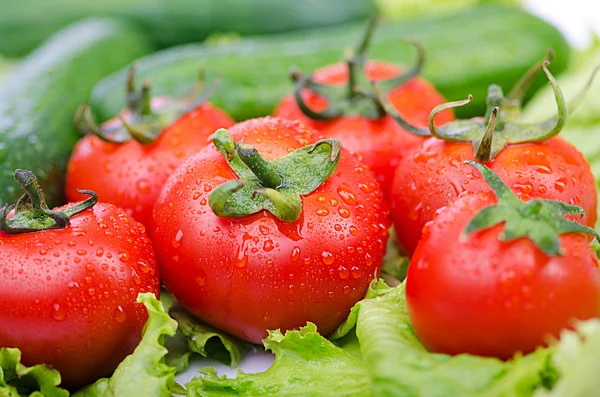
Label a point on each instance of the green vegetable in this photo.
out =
(18, 380)
(390, 362)
(458, 61)
(306, 364)
(144, 372)
(202, 339)
(39, 99)
(25, 23)
(577, 359)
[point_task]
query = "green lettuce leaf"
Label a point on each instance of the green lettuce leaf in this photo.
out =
(306, 364)
(144, 372)
(17, 380)
(577, 359)
(194, 336)
(400, 366)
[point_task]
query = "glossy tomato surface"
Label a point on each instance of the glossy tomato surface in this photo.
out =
(255, 273)
(482, 296)
(131, 175)
(380, 143)
(68, 296)
(435, 175)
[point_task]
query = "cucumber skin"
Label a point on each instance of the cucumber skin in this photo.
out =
(38, 100)
(25, 23)
(465, 52)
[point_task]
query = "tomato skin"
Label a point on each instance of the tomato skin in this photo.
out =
(486, 297)
(131, 175)
(68, 296)
(380, 143)
(435, 175)
(250, 274)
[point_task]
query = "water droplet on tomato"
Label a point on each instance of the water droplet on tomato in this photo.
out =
(353, 230)
(120, 315)
(327, 257)
(143, 186)
(368, 259)
(344, 212)
(268, 245)
(355, 271)
(58, 313)
(295, 254)
(177, 240)
(322, 211)
(267, 316)
(144, 267)
(196, 195)
(91, 291)
(43, 252)
(89, 267)
(124, 257)
(136, 277)
(343, 272)
(364, 187)
(347, 195)
(560, 184)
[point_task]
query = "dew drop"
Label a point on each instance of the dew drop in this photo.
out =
(143, 186)
(120, 315)
(144, 267)
(295, 254)
(58, 313)
(124, 257)
(177, 240)
(322, 211)
(327, 257)
(368, 259)
(268, 246)
(346, 194)
(344, 212)
(353, 230)
(560, 184)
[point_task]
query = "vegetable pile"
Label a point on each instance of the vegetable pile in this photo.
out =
(353, 220)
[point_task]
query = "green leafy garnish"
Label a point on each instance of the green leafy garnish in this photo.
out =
(577, 359)
(18, 380)
(144, 372)
(202, 339)
(306, 364)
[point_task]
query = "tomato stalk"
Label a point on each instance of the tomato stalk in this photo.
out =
(275, 185)
(499, 127)
(354, 99)
(144, 117)
(540, 220)
(31, 211)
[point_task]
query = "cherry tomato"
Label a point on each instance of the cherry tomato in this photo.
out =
(249, 274)
(434, 176)
(483, 296)
(380, 142)
(131, 174)
(68, 296)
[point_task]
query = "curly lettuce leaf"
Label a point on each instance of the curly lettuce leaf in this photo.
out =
(17, 380)
(577, 359)
(399, 364)
(194, 336)
(144, 372)
(306, 364)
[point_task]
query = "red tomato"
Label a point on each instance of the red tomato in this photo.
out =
(434, 176)
(482, 296)
(381, 143)
(68, 296)
(247, 275)
(130, 174)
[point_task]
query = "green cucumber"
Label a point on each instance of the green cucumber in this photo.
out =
(38, 100)
(465, 52)
(25, 23)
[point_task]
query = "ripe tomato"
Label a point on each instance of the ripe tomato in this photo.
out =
(530, 158)
(375, 137)
(434, 176)
(130, 174)
(252, 273)
(68, 296)
(484, 296)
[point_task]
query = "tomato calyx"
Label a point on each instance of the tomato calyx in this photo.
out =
(540, 220)
(356, 97)
(144, 117)
(500, 126)
(275, 186)
(31, 213)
